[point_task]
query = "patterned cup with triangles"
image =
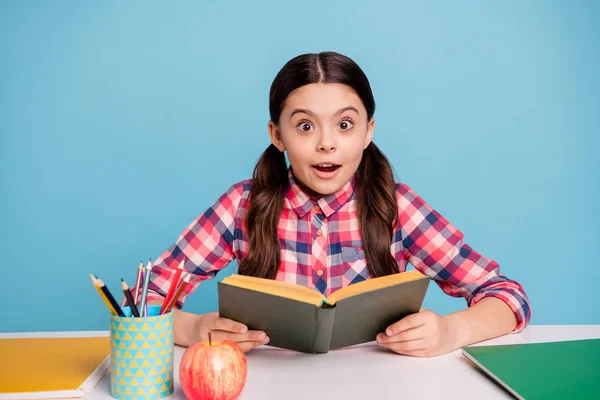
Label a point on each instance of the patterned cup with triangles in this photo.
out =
(141, 355)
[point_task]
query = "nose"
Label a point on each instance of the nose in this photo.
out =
(326, 144)
(326, 148)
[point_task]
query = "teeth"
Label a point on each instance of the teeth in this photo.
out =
(325, 165)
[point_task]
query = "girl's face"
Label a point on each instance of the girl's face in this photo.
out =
(324, 129)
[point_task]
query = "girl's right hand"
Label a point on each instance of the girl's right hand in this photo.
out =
(226, 329)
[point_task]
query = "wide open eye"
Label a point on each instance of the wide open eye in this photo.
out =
(345, 124)
(305, 126)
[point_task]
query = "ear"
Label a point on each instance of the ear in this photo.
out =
(275, 136)
(370, 131)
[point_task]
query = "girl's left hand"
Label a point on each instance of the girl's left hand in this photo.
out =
(424, 334)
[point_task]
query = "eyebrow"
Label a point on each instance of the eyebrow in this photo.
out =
(306, 111)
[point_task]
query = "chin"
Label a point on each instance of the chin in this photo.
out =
(328, 188)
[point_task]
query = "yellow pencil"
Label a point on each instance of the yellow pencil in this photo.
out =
(110, 307)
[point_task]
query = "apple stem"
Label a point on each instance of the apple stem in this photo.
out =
(209, 339)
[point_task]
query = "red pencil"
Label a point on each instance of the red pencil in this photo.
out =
(174, 284)
(178, 294)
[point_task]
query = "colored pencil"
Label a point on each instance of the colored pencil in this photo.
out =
(138, 283)
(108, 305)
(143, 305)
(174, 284)
(142, 279)
(134, 310)
(178, 294)
(110, 297)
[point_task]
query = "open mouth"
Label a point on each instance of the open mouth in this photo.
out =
(327, 167)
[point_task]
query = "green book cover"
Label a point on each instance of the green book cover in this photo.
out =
(554, 370)
(308, 323)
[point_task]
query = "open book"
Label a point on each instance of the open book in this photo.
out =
(45, 368)
(301, 319)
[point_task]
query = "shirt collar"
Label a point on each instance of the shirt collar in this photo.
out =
(301, 203)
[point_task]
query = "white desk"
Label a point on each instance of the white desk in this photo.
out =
(361, 372)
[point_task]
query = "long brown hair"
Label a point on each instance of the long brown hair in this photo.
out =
(375, 187)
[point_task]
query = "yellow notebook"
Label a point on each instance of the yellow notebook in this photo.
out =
(35, 368)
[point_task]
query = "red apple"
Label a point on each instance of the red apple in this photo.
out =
(213, 370)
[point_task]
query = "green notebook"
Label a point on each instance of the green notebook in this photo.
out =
(555, 370)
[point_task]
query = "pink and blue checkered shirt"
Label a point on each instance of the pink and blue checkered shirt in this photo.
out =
(321, 247)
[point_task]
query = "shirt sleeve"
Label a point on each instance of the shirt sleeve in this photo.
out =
(204, 246)
(436, 248)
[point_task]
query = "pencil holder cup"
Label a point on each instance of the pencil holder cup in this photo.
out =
(141, 355)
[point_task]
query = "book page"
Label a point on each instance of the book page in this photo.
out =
(277, 288)
(374, 284)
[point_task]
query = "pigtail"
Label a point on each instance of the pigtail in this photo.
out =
(377, 210)
(269, 183)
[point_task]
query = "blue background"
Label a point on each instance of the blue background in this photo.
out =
(121, 122)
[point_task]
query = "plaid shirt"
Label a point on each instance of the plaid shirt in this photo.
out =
(321, 247)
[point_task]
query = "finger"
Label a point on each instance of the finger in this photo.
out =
(247, 346)
(410, 334)
(409, 322)
(250, 344)
(417, 353)
(225, 324)
(407, 346)
(250, 336)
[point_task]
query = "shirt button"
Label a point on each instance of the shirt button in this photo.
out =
(319, 232)
(317, 208)
(320, 272)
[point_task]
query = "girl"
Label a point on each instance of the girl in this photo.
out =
(333, 218)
